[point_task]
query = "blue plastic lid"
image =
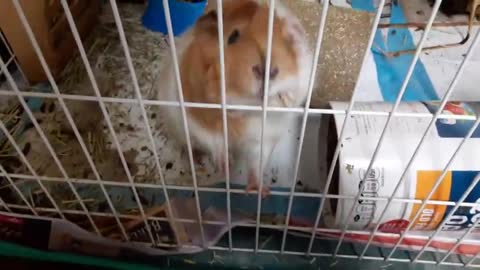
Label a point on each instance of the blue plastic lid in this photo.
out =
(183, 15)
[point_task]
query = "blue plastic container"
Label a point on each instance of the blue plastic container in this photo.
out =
(183, 15)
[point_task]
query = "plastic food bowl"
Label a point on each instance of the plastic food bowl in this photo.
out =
(183, 15)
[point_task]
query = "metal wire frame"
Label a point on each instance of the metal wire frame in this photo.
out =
(106, 116)
(238, 191)
(265, 109)
(266, 226)
(5, 66)
(311, 111)
(47, 144)
(447, 167)
(4, 205)
(321, 29)
(469, 263)
(184, 113)
(224, 119)
(266, 251)
(340, 256)
(403, 88)
(131, 69)
(17, 190)
(459, 241)
(268, 62)
(9, 61)
(10, 138)
(46, 69)
(277, 252)
(420, 144)
(248, 225)
(437, 184)
(440, 109)
(12, 59)
(343, 128)
(260, 250)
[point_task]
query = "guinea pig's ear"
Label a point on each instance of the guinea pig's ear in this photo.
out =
(210, 16)
(207, 22)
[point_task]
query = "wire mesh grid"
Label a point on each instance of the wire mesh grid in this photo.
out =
(16, 91)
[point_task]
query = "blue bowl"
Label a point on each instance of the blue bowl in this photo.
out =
(183, 15)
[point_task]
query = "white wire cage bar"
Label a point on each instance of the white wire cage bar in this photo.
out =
(184, 114)
(239, 191)
(249, 225)
(430, 126)
(277, 252)
(347, 117)
(444, 102)
(304, 112)
(403, 88)
(437, 184)
(17, 191)
(86, 63)
(268, 62)
(224, 119)
(459, 241)
(13, 59)
(45, 140)
(311, 111)
(24, 159)
(4, 205)
(54, 85)
(321, 30)
(314, 254)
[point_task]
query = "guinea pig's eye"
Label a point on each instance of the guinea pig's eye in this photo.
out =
(233, 37)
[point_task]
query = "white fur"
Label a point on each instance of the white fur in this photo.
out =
(277, 124)
(201, 138)
(295, 86)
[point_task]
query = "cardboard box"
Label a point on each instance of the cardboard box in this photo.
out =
(49, 24)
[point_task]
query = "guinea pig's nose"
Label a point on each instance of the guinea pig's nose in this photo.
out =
(258, 72)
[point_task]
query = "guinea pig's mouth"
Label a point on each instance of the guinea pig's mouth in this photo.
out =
(261, 90)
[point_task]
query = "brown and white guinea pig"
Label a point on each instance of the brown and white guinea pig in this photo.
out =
(246, 34)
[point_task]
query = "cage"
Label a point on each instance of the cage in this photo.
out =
(375, 167)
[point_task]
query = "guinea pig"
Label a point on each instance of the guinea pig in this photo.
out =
(245, 47)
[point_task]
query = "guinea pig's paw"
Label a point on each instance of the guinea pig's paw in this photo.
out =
(288, 99)
(220, 163)
(252, 185)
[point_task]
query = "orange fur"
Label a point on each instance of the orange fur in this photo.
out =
(200, 66)
(245, 43)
